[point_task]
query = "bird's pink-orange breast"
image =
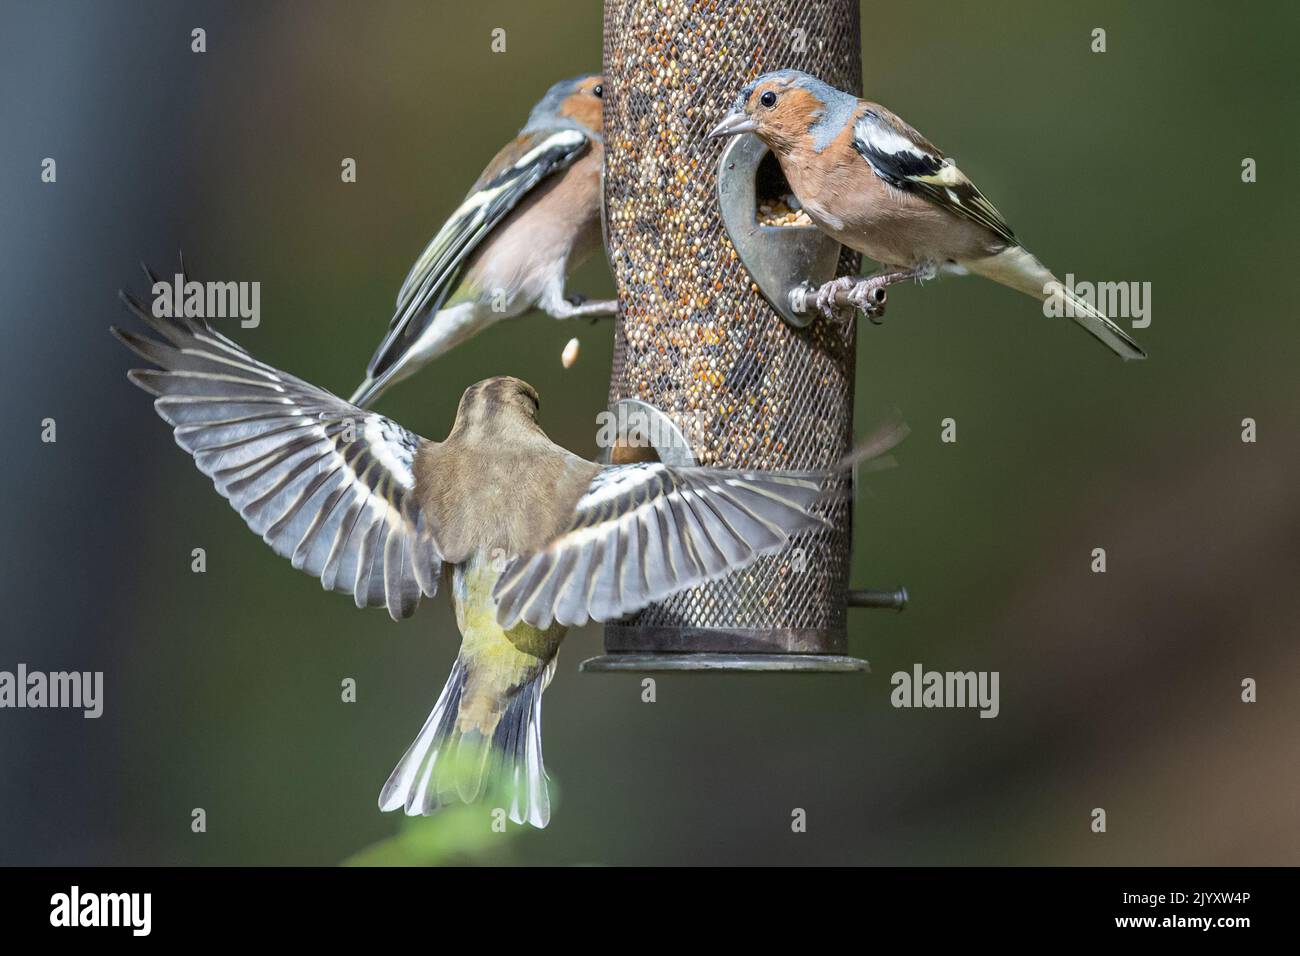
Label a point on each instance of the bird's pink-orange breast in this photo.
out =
(844, 196)
(555, 227)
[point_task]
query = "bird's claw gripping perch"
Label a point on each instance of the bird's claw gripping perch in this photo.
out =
(837, 298)
(868, 296)
(575, 305)
(593, 312)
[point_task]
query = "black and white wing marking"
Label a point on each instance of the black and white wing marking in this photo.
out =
(904, 159)
(511, 175)
(325, 484)
(642, 532)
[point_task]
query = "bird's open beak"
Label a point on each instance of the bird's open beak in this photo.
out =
(733, 125)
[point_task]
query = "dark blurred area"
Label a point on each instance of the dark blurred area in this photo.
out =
(222, 690)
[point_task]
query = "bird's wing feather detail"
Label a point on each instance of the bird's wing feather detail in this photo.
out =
(326, 484)
(642, 532)
(903, 158)
(510, 177)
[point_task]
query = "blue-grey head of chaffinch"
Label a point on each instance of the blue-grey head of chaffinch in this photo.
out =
(529, 220)
(873, 182)
(786, 106)
(575, 101)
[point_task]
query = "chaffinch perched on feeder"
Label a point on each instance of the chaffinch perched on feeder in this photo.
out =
(533, 538)
(532, 217)
(878, 186)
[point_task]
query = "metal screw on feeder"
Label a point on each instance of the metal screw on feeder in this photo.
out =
(702, 340)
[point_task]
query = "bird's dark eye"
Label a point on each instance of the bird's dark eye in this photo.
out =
(768, 99)
(598, 90)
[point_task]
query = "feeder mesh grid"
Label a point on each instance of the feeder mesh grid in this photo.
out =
(694, 336)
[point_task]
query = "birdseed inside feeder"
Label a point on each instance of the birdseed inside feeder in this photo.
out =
(696, 340)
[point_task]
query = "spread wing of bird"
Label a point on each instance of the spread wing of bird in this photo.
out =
(511, 176)
(906, 160)
(326, 484)
(642, 532)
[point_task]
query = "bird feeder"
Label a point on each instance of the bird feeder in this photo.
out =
(713, 364)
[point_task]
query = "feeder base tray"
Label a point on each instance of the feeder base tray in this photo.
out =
(725, 663)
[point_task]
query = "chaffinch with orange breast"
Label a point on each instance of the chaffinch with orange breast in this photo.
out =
(532, 217)
(878, 186)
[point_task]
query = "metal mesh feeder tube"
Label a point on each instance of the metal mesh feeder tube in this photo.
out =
(697, 341)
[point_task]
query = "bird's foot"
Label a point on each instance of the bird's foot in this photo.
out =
(868, 296)
(832, 298)
(576, 306)
(837, 298)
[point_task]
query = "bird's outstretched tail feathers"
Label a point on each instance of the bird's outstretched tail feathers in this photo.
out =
(448, 763)
(1017, 268)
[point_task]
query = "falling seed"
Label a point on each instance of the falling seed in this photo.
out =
(570, 354)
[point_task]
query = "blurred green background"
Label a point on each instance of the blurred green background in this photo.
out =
(223, 689)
